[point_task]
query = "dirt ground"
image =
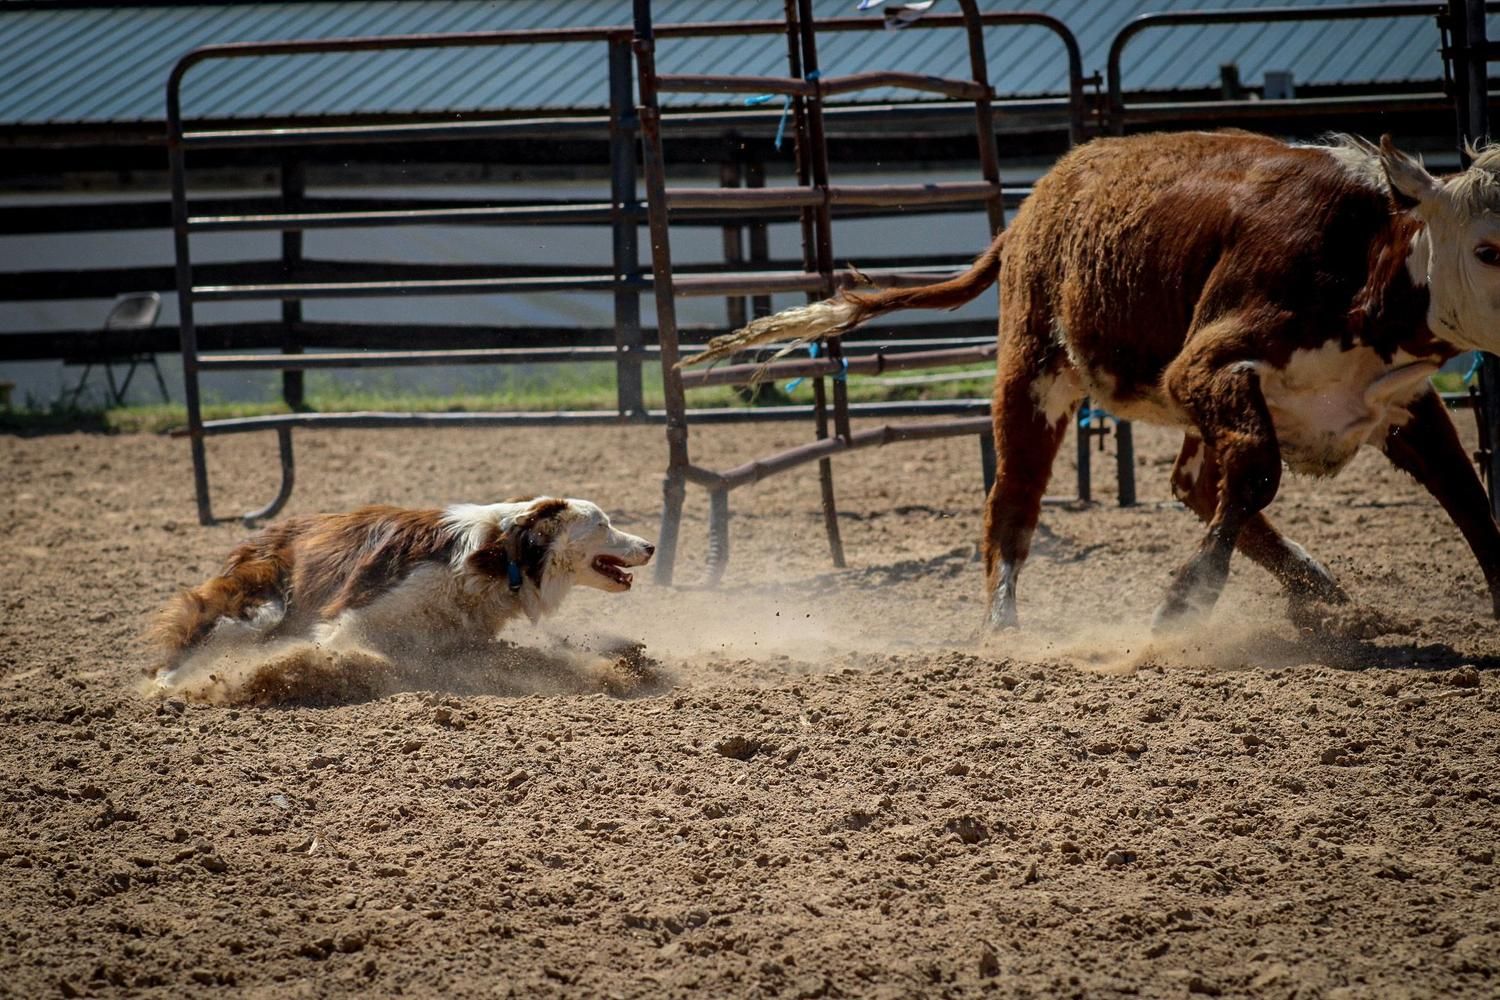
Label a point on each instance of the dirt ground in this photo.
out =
(838, 790)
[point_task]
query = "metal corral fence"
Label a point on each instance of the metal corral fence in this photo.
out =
(814, 202)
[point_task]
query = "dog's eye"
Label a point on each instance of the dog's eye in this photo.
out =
(1487, 254)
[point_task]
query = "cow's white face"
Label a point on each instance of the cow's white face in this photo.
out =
(1460, 246)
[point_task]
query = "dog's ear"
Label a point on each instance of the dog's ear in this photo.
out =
(492, 558)
(533, 534)
(523, 544)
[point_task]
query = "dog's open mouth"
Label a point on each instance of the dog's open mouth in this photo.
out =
(612, 568)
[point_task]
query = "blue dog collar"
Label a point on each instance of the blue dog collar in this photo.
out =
(513, 573)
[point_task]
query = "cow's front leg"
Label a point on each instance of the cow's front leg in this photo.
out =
(1427, 447)
(1225, 402)
(1195, 481)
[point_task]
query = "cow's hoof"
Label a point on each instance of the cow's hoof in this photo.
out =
(1002, 616)
(1312, 582)
(1176, 615)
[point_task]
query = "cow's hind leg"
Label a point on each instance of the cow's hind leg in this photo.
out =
(1195, 481)
(1427, 447)
(1223, 399)
(1034, 399)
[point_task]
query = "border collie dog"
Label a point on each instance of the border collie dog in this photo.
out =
(401, 583)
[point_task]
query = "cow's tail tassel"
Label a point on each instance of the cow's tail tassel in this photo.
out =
(847, 310)
(797, 327)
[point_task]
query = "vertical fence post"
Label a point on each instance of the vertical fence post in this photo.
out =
(760, 246)
(293, 193)
(674, 484)
(817, 248)
(177, 164)
(1081, 428)
(624, 224)
(730, 176)
(1125, 462)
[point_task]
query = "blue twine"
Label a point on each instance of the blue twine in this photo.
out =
(1089, 413)
(812, 350)
(1473, 371)
(786, 106)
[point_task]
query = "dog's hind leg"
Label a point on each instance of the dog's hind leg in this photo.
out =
(247, 591)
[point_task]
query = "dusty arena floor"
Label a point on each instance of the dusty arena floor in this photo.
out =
(835, 791)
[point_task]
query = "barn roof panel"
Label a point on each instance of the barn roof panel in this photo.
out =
(109, 63)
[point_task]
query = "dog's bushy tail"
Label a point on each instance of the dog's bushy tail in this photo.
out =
(252, 577)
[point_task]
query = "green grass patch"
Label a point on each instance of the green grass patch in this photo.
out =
(587, 386)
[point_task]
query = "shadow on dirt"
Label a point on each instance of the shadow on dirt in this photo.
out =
(1348, 653)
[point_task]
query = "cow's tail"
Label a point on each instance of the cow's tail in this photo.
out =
(847, 310)
(253, 577)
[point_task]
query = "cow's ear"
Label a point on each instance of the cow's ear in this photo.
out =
(1411, 184)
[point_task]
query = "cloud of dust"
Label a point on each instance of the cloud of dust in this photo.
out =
(297, 671)
(754, 623)
(1235, 636)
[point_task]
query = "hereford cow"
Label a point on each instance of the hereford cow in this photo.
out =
(1281, 304)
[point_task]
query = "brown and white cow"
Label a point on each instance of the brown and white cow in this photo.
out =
(1282, 304)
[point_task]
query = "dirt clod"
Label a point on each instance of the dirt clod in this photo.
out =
(737, 747)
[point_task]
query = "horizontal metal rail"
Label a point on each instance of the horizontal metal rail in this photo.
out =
(849, 83)
(755, 199)
(740, 283)
(447, 131)
(392, 359)
(272, 334)
(756, 470)
(713, 83)
(1301, 107)
(576, 213)
(1119, 113)
(874, 363)
(435, 286)
(827, 86)
(511, 215)
(534, 418)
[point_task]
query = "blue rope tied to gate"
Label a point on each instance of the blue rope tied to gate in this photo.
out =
(1090, 412)
(1473, 372)
(812, 351)
(786, 105)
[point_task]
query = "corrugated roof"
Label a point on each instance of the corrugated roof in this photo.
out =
(110, 63)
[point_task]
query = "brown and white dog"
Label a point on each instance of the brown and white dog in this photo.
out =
(399, 583)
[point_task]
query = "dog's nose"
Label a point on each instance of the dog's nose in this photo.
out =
(650, 550)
